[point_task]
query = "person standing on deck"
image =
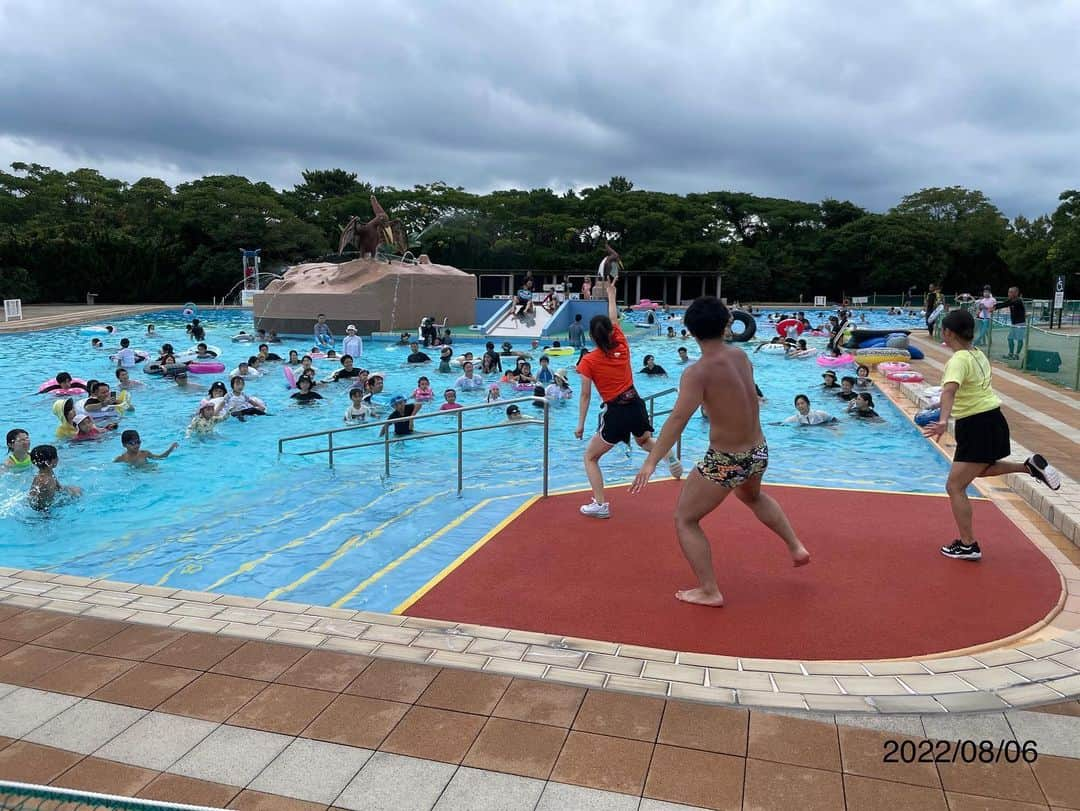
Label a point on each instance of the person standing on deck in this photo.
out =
(982, 434)
(623, 414)
(1017, 322)
(723, 381)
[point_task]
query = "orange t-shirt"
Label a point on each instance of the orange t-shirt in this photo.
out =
(610, 372)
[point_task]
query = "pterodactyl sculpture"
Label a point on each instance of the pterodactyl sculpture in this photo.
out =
(367, 237)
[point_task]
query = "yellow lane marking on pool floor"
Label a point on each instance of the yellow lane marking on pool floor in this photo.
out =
(464, 556)
(389, 567)
(295, 542)
(193, 559)
(355, 542)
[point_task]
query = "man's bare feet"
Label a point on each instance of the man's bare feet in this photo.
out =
(700, 597)
(799, 555)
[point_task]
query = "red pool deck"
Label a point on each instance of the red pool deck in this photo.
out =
(877, 586)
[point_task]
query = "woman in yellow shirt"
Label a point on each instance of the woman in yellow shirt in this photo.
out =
(982, 434)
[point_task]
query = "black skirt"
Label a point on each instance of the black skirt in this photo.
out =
(982, 437)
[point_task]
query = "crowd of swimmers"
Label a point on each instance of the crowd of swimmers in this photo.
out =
(93, 409)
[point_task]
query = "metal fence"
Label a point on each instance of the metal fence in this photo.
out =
(26, 797)
(1051, 354)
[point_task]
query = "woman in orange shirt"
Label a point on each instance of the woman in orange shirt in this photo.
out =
(624, 413)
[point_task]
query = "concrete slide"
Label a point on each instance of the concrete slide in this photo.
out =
(528, 327)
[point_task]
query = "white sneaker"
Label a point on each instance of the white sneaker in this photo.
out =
(594, 510)
(675, 468)
(1043, 471)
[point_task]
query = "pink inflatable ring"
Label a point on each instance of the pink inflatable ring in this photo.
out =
(206, 367)
(905, 377)
(841, 360)
(46, 388)
(894, 366)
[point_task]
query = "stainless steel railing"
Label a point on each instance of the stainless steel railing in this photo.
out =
(460, 430)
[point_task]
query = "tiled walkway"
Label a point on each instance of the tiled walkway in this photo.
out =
(135, 710)
(227, 701)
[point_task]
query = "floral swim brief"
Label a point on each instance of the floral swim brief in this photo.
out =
(733, 469)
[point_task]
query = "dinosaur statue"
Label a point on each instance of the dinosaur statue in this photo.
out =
(367, 237)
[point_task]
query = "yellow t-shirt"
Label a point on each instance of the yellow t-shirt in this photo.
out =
(971, 369)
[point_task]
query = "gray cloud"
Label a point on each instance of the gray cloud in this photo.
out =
(803, 101)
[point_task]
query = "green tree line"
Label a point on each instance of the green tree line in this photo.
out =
(63, 234)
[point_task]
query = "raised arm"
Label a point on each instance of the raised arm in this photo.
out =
(612, 307)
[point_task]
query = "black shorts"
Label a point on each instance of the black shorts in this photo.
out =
(619, 421)
(982, 437)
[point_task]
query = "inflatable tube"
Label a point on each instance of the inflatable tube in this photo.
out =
(772, 348)
(897, 342)
(290, 376)
(645, 304)
(904, 377)
(205, 367)
(315, 355)
(558, 351)
(190, 310)
(928, 416)
(936, 314)
(817, 333)
(872, 342)
(62, 392)
(190, 354)
(167, 370)
(915, 352)
(141, 356)
(783, 326)
(840, 360)
(872, 357)
(97, 330)
(244, 338)
(894, 366)
(523, 387)
(749, 326)
(861, 334)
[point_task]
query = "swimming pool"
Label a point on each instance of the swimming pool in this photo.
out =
(226, 513)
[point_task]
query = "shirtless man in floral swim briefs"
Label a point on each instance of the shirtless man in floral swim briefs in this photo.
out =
(722, 380)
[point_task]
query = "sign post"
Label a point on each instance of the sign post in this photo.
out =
(1059, 301)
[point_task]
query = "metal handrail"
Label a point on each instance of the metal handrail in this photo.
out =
(460, 430)
(385, 441)
(653, 413)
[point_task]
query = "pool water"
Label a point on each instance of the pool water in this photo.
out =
(227, 513)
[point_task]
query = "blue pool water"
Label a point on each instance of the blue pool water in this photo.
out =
(228, 513)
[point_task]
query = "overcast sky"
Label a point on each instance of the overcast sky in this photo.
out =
(789, 99)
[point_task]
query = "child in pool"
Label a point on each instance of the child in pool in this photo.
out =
(305, 394)
(242, 405)
(210, 413)
(863, 406)
(423, 392)
(357, 411)
(444, 359)
(86, 429)
(862, 377)
(847, 389)
(493, 394)
(133, 453)
(544, 376)
(18, 445)
(45, 487)
(450, 398)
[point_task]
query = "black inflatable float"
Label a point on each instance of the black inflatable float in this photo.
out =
(749, 326)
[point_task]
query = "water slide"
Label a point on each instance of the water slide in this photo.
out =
(531, 326)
